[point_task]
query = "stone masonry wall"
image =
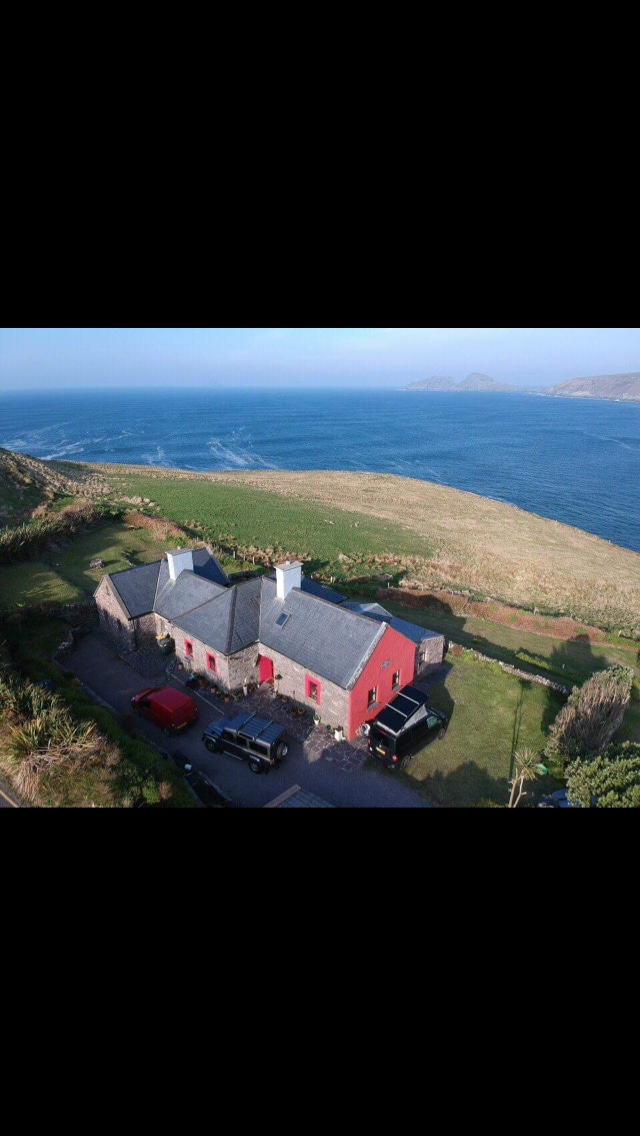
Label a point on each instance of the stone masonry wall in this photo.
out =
(113, 622)
(243, 667)
(430, 653)
(146, 629)
(334, 707)
(231, 672)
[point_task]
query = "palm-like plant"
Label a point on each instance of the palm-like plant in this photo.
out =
(528, 769)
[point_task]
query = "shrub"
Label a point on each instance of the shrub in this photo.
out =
(611, 781)
(27, 541)
(592, 716)
(61, 751)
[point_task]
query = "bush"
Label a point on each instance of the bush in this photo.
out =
(27, 541)
(592, 716)
(611, 781)
(61, 751)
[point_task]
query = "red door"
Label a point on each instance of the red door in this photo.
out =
(266, 670)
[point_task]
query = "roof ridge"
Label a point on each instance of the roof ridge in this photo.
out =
(383, 628)
(198, 607)
(155, 598)
(328, 603)
(232, 620)
(134, 568)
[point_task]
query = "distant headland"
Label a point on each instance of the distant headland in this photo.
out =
(623, 388)
(472, 383)
(619, 388)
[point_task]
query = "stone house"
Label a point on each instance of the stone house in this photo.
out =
(346, 661)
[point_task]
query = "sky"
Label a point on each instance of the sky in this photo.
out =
(63, 357)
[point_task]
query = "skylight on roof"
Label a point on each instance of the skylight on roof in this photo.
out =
(283, 620)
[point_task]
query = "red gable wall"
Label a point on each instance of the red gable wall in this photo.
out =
(400, 654)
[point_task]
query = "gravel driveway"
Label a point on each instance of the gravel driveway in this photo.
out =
(317, 765)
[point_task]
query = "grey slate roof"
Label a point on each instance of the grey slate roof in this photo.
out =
(141, 589)
(137, 588)
(246, 617)
(184, 594)
(325, 639)
(324, 634)
(212, 623)
(314, 588)
(206, 565)
(410, 631)
(303, 799)
(228, 623)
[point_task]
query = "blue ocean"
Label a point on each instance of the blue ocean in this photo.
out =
(575, 462)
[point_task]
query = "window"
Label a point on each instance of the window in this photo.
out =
(188, 648)
(314, 691)
(396, 681)
(373, 697)
(283, 620)
(212, 664)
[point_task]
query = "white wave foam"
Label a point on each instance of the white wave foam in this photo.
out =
(235, 452)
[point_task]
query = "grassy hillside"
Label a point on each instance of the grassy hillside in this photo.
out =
(354, 526)
(459, 541)
(27, 484)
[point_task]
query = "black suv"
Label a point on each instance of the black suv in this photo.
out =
(262, 745)
(407, 726)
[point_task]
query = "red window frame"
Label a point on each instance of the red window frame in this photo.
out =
(373, 697)
(397, 685)
(212, 663)
(188, 648)
(309, 683)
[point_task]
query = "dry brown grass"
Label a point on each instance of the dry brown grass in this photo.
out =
(479, 546)
(482, 546)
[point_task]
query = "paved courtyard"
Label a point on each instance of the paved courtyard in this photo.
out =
(333, 771)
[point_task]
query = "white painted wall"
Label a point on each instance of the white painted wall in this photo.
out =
(181, 561)
(288, 576)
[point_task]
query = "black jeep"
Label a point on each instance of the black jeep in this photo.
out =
(407, 726)
(262, 745)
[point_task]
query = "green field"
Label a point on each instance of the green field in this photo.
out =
(568, 662)
(442, 539)
(492, 716)
(267, 520)
(66, 576)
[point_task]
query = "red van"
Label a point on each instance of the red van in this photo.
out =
(166, 708)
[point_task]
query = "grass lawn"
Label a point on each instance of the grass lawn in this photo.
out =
(463, 542)
(66, 577)
(34, 583)
(268, 520)
(568, 661)
(110, 544)
(492, 716)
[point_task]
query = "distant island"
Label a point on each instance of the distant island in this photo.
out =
(623, 388)
(472, 383)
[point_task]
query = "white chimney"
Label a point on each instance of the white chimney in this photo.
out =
(289, 576)
(180, 561)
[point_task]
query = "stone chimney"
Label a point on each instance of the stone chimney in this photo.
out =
(180, 561)
(288, 576)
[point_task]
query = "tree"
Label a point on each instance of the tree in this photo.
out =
(611, 781)
(528, 769)
(592, 716)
